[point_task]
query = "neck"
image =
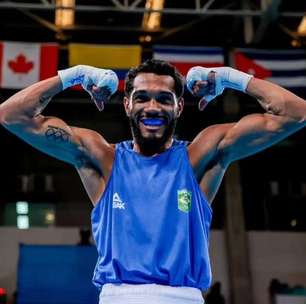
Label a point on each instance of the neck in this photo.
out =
(152, 150)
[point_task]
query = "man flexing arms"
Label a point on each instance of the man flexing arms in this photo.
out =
(152, 195)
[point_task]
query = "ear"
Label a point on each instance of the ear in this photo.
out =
(127, 107)
(180, 106)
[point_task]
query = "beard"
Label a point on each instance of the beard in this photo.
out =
(152, 145)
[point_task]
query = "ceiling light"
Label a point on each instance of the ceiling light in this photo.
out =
(64, 13)
(146, 38)
(151, 20)
(302, 27)
(296, 43)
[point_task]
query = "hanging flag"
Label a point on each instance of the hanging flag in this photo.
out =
(119, 58)
(284, 67)
(22, 64)
(184, 58)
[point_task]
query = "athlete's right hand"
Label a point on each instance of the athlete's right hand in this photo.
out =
(99, 83)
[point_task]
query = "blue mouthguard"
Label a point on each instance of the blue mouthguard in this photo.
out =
(153, 121)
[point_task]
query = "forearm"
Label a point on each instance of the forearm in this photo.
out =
(29, 102)
(277, 100)
(273, 98)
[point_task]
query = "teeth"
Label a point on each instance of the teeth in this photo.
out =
(152, 121)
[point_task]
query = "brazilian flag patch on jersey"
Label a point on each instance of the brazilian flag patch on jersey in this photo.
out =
(184, 200)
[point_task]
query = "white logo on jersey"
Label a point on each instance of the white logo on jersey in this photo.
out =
(117, 202)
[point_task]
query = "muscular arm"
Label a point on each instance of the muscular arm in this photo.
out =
(85, 149)
(285, 114)
(217, 146)
(21, 114)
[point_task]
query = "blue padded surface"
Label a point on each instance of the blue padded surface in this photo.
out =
(50, 274)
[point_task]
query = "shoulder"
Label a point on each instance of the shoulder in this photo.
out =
(96, 149)
(207, 144)
(90, 138)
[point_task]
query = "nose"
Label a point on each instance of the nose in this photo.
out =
(152, 108)
(153, 104)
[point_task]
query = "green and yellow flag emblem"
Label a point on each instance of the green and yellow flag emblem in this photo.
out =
(184, 200)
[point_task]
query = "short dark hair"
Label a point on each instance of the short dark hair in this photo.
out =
(158, 67)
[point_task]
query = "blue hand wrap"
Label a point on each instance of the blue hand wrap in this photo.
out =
(87, 76)
(225, 77)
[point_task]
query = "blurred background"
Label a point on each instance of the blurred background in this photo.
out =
(258, 244)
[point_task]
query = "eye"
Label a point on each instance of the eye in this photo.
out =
(141, 97)
(165, 98)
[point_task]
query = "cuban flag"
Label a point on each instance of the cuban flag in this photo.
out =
(284, 67)
(184, 58)
(22, 64)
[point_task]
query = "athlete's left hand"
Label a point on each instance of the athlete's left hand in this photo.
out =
(205, 83)
(208, 83)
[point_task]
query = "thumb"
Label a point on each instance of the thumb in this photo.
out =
(96, 89)
(202, 104)
(109, 80)
(205, 101)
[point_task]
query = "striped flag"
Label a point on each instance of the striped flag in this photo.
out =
(184, 58)
(284, 67)
(119, 58)
(22, 64)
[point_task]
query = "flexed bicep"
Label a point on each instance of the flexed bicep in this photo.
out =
(285, 111)
(21, 115)
(254, 133)
(52, 136)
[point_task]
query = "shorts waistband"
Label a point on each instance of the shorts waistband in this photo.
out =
(179, 294)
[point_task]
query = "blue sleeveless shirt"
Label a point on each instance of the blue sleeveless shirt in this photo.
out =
(152, 222)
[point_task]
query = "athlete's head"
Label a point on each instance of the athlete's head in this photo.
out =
(153, 102)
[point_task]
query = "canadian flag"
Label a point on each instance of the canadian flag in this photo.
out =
(22, 64)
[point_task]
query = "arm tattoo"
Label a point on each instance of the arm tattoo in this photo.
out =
(57, 134)
(81, 161)
(43, 102)
(44, 99)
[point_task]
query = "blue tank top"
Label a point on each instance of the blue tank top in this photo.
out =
(152, 222)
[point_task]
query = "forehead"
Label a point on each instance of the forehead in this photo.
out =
(151, 81)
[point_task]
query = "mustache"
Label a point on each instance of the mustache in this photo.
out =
(151, 145)
(152, 114)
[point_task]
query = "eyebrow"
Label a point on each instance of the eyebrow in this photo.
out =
(148, 91)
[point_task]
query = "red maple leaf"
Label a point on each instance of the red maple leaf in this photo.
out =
(20, 64)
